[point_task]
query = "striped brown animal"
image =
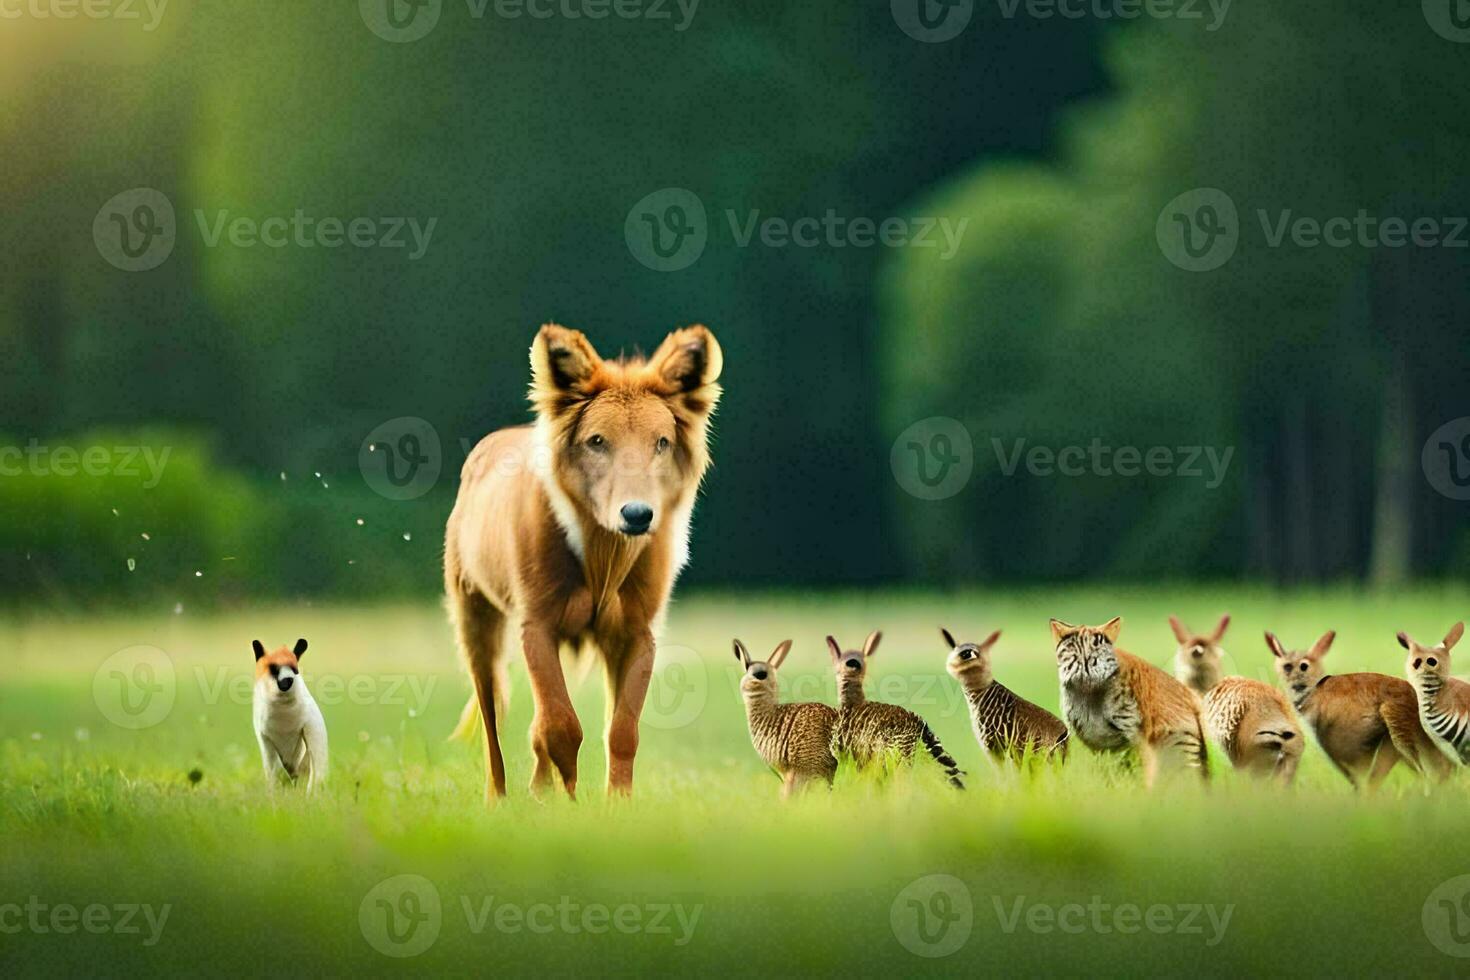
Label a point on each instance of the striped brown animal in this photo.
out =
(870, 730)
(1006, 725)
(1116, 702)
(1366, 723)
(1250, 720)
(795, 740)
(1444, 701)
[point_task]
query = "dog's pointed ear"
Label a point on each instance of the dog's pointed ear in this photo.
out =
(742, 654)
(1404, 641)
(1220, 628)
(948, 640)
(562, 362)
(779, 656)
(834, 649)
(1453, 636)
(1275, 645)
(689, 359)
(989, 641)
(1112, 628)
(300, 647)
(1060, 629)
(1180, 633)
(870, 645)
(1320, 648)
(259, 648)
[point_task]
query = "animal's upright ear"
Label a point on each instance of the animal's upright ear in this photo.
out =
(259, 648)
(1180, 633)
(779, 656)
(742, 654)
(1404, 640)
(1112, 628)
(989, 641)
(1453, 636)
(1324, 644)
(1220, 629)
(562, 362)
(689, 358)
(948, 640)
(870, 645)
(834, 649)
(1060, 629)
(1275, 645)
(300, 647)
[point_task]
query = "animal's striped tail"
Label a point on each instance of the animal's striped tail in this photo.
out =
(951, 768)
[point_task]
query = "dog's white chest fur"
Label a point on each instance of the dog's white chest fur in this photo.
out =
(291, 732)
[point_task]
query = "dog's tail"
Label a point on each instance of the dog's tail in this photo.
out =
(951, 768)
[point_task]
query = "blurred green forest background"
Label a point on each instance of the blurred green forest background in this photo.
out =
(1058, 320)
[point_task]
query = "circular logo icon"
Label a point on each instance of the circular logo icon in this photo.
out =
(932, 458)
(135, 688)
(1199, 229)
(679, 688)
(401, 458)
(667, 230)
(1446, 459)
(400, 21)
(401, 916)
(932, 21)
(933, 916)
(1450, 19)
(135, 230)
(1446, 917)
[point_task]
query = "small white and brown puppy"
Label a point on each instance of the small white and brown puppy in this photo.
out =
(288, 724)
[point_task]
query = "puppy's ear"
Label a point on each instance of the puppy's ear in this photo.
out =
(1112, 628)
(259, 648)
(688, 358)
(562, 362)
(742, 654)
(779, 657)
(1275, 645)
(1404, 640)
(870, 645)
(1180, 633)
(989, 641)
(1220, 629)
(1323, 644)
(300, 647)
(1453, 636)
(948, 640)
(834, 649)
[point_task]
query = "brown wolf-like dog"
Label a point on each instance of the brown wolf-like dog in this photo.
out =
(574, 529)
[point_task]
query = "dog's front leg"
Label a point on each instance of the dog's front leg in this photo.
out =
(315, 737)
(271, 760)
(628, 680)
(556, 734)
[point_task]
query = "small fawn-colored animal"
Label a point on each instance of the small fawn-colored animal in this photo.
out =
(1366, 723)
(1250, 720)
(1006, 724)
(1444, 701)
(868, 730)
(795, 739)
(1115, 701)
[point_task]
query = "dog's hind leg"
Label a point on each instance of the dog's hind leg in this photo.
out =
(315, 737)
(480, 631)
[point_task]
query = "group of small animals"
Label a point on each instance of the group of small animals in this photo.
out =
(1115, 702)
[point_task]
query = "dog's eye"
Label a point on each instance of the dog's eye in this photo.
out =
(1432, 662)
(596, 442)
(275, 670)
(663, 443)
(1303, 667)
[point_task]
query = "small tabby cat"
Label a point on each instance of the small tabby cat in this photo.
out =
(1006, 725)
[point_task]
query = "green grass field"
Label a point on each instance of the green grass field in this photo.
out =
(705, 870)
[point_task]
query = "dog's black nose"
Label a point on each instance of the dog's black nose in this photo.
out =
(285, 683)
(758, 674)
(637, 516)
(853, 665)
